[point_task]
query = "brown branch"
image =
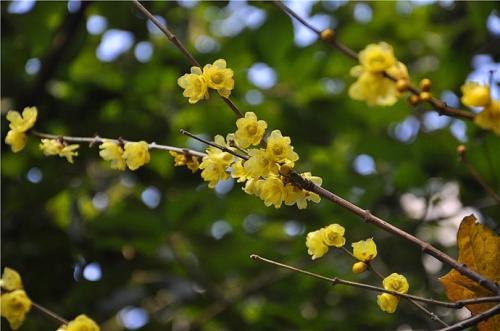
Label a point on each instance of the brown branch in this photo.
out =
(177, 43)
(368, 217)
(441, 107)
(336, 280)
(98, 140)
(474, 320)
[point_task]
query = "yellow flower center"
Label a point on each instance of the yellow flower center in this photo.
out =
(251, 129)
(217, 78)
(277, 150)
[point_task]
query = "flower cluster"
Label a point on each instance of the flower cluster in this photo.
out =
(477, 95)
(264, 169)
(131, 154)
(319, 241)
(80, 323)
(372, 85)
(15, 303)
(215, 76)
(185, 159)
(59, 147)
(394, 282)
(19, 125)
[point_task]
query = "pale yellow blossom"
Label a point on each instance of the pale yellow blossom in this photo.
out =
(219, 77)
(194, 85)
(250, 130)
(136, 154)
(112, 151)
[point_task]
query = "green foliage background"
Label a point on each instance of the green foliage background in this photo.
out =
(165, 259)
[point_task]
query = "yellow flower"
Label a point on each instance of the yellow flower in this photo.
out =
(279, 148)
(194, 85)
(475, 94)
(359, 267)
(136, 154)
(219, 77)
(214, 165)
(396, 282)
(387, 302)
(376, 89)
(316, 247)
(250, 131)
(238, 171)
(190, 161)
(272, 191)
(80, 323)
(364, 250)
(252, 186)
(16, 140)
(24, 122)
(68, 151)
(333, 235)
(14, 307)
(377, 57)
(260, 164)
(489, 118)
(111, 151)
(56, 147)
(295, 195)
(11, 280)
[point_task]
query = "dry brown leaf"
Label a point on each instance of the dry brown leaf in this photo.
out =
(479, 250)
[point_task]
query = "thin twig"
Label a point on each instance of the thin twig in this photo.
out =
(98, 140)
(177, 43)
(49, 313)
(429, 313)
(440, 106)
(474, 319)
(336, 280)
(210, 143)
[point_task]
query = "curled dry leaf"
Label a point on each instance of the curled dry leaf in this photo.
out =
(479, 250)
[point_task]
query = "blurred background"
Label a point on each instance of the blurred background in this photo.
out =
(156, 248)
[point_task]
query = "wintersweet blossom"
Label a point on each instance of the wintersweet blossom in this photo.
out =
(272, 191)
(279, 148)
(396, 282)
(80, 323)
(364, 250)
(14, 307)
(375, 88)
(112, 151)
(250, 130)
(372, 85)
(19, 124)
(475, 94)
(57, 147)
(387, 302)
(377, 57)
(16, 139)
(489, 118)
(296, 195)
(185, 159)
(215, 164)
(194, 85)
(316, 247)
(260, 164)
(11, 280)
(136, 154)
(238, 171)
(333, 235)
(22, 122)
(219, 77)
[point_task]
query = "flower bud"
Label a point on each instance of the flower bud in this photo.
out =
(327, 35)
(359, 267)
